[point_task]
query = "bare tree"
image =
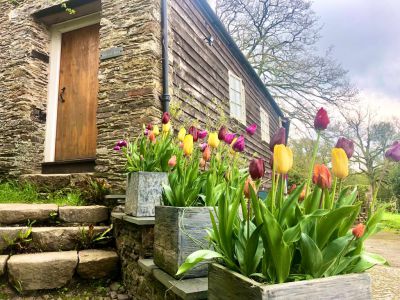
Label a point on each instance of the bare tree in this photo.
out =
(279, 39)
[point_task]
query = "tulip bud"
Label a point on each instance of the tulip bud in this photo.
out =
(347, 145)
(172, 161)
(122, 143)
(321, 120)
(152, 137)
(194, 132)
(181, 134)
(207, 153)
(229, 137)
(166, 128)
(239, 145)
(149, 126)
(222, 132)
(202, 163)
(117, 148)
(156, 130)
(188, 145)
(303, 193)
(202, 134)
(279, 138)
(249, 183)
(165, 118)
(340, 163)
(257, 168)
(322, 177)
(251, 129)
(358, 230)
(213, 140)
(393, 153)
(283, 159)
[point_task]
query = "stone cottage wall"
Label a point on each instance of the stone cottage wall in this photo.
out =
(129, 85)
(23, 87)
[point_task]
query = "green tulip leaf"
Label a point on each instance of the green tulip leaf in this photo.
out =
(292, 234)
(195, 258)
(311, 256)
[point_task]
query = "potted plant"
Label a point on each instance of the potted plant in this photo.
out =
(194, 187)
(290, 245)
(147, 163)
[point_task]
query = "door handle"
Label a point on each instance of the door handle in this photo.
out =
(61, 97)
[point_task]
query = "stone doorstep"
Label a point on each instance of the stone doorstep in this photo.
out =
(21, 213)
(50, 270)
(49, 238)
(190, 289)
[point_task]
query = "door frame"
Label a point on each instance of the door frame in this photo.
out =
(56, 32)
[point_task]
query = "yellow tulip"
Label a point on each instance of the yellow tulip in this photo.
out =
(340, 163)
(166, 128)
(213, 140)
(181, 134)
(156, 130)
(283, 159)
(188, 145)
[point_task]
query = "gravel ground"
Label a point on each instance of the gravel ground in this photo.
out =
(386, 279)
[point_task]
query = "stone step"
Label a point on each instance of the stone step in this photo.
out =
(22, 213)
(50, 270)
(55, 182)
(51, 238)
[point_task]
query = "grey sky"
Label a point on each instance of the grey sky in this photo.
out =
(366, 39)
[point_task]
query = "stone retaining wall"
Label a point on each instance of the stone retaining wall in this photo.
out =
(135, 242)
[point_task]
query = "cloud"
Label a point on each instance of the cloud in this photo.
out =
(366, 39)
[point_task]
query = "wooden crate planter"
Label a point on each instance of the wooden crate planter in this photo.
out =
(175, 232)
(224, 284)
(144, 193)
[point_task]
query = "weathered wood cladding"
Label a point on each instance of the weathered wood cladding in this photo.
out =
(200, 73)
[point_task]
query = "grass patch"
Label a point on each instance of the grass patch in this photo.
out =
(391, 221)
(12, 192)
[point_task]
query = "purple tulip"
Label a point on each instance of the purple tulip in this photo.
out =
(393, 153)
(222, 132)
(278, 138)
(257, 168)
(239, 145)
(146, 132)
(321, 120)
(203, 146)
(347, 145)
(229, 137)
(122, 143)
(194, 132)
(165, 118)
(117, 148)
(251, 129)
(202, 134)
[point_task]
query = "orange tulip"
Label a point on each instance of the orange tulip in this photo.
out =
(207, 153)
(322, 177)
(152, 137)
(358, 231)
(249, 183)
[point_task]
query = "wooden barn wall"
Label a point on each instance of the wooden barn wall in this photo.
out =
(200, 76)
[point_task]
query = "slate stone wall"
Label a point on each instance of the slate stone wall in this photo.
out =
(130, 85)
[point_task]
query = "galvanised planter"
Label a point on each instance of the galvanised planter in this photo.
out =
(144, 193)
(224, 284)
(178, 232)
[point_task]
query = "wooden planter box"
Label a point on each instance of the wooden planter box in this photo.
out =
(224, 284)
(144, 193)
(178, 232)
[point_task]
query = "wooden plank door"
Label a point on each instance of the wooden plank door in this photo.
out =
(78, 89)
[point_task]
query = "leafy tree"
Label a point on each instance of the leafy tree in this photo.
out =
(279, 39)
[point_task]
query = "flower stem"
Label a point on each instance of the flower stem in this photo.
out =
(310, 172)
(375, 195)
(333, 192)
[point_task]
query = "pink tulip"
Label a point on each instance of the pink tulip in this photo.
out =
(251, 129)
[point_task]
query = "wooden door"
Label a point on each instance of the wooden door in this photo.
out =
(78, 89)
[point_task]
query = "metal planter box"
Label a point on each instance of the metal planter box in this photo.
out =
(224, 284)
(178, 232)
(144, 193)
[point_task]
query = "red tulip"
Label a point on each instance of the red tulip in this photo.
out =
(222, 133)
(149, 126)
(347, 145)
(278, 138)
(194, 132)
(257, 168)
(322, 177)
(358, 231)
(251, 129)
(321, 120)
(165, 118)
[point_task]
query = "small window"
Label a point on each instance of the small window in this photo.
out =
(237, 102)
(265, 136)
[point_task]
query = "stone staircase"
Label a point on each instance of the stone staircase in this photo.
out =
(43, 246)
